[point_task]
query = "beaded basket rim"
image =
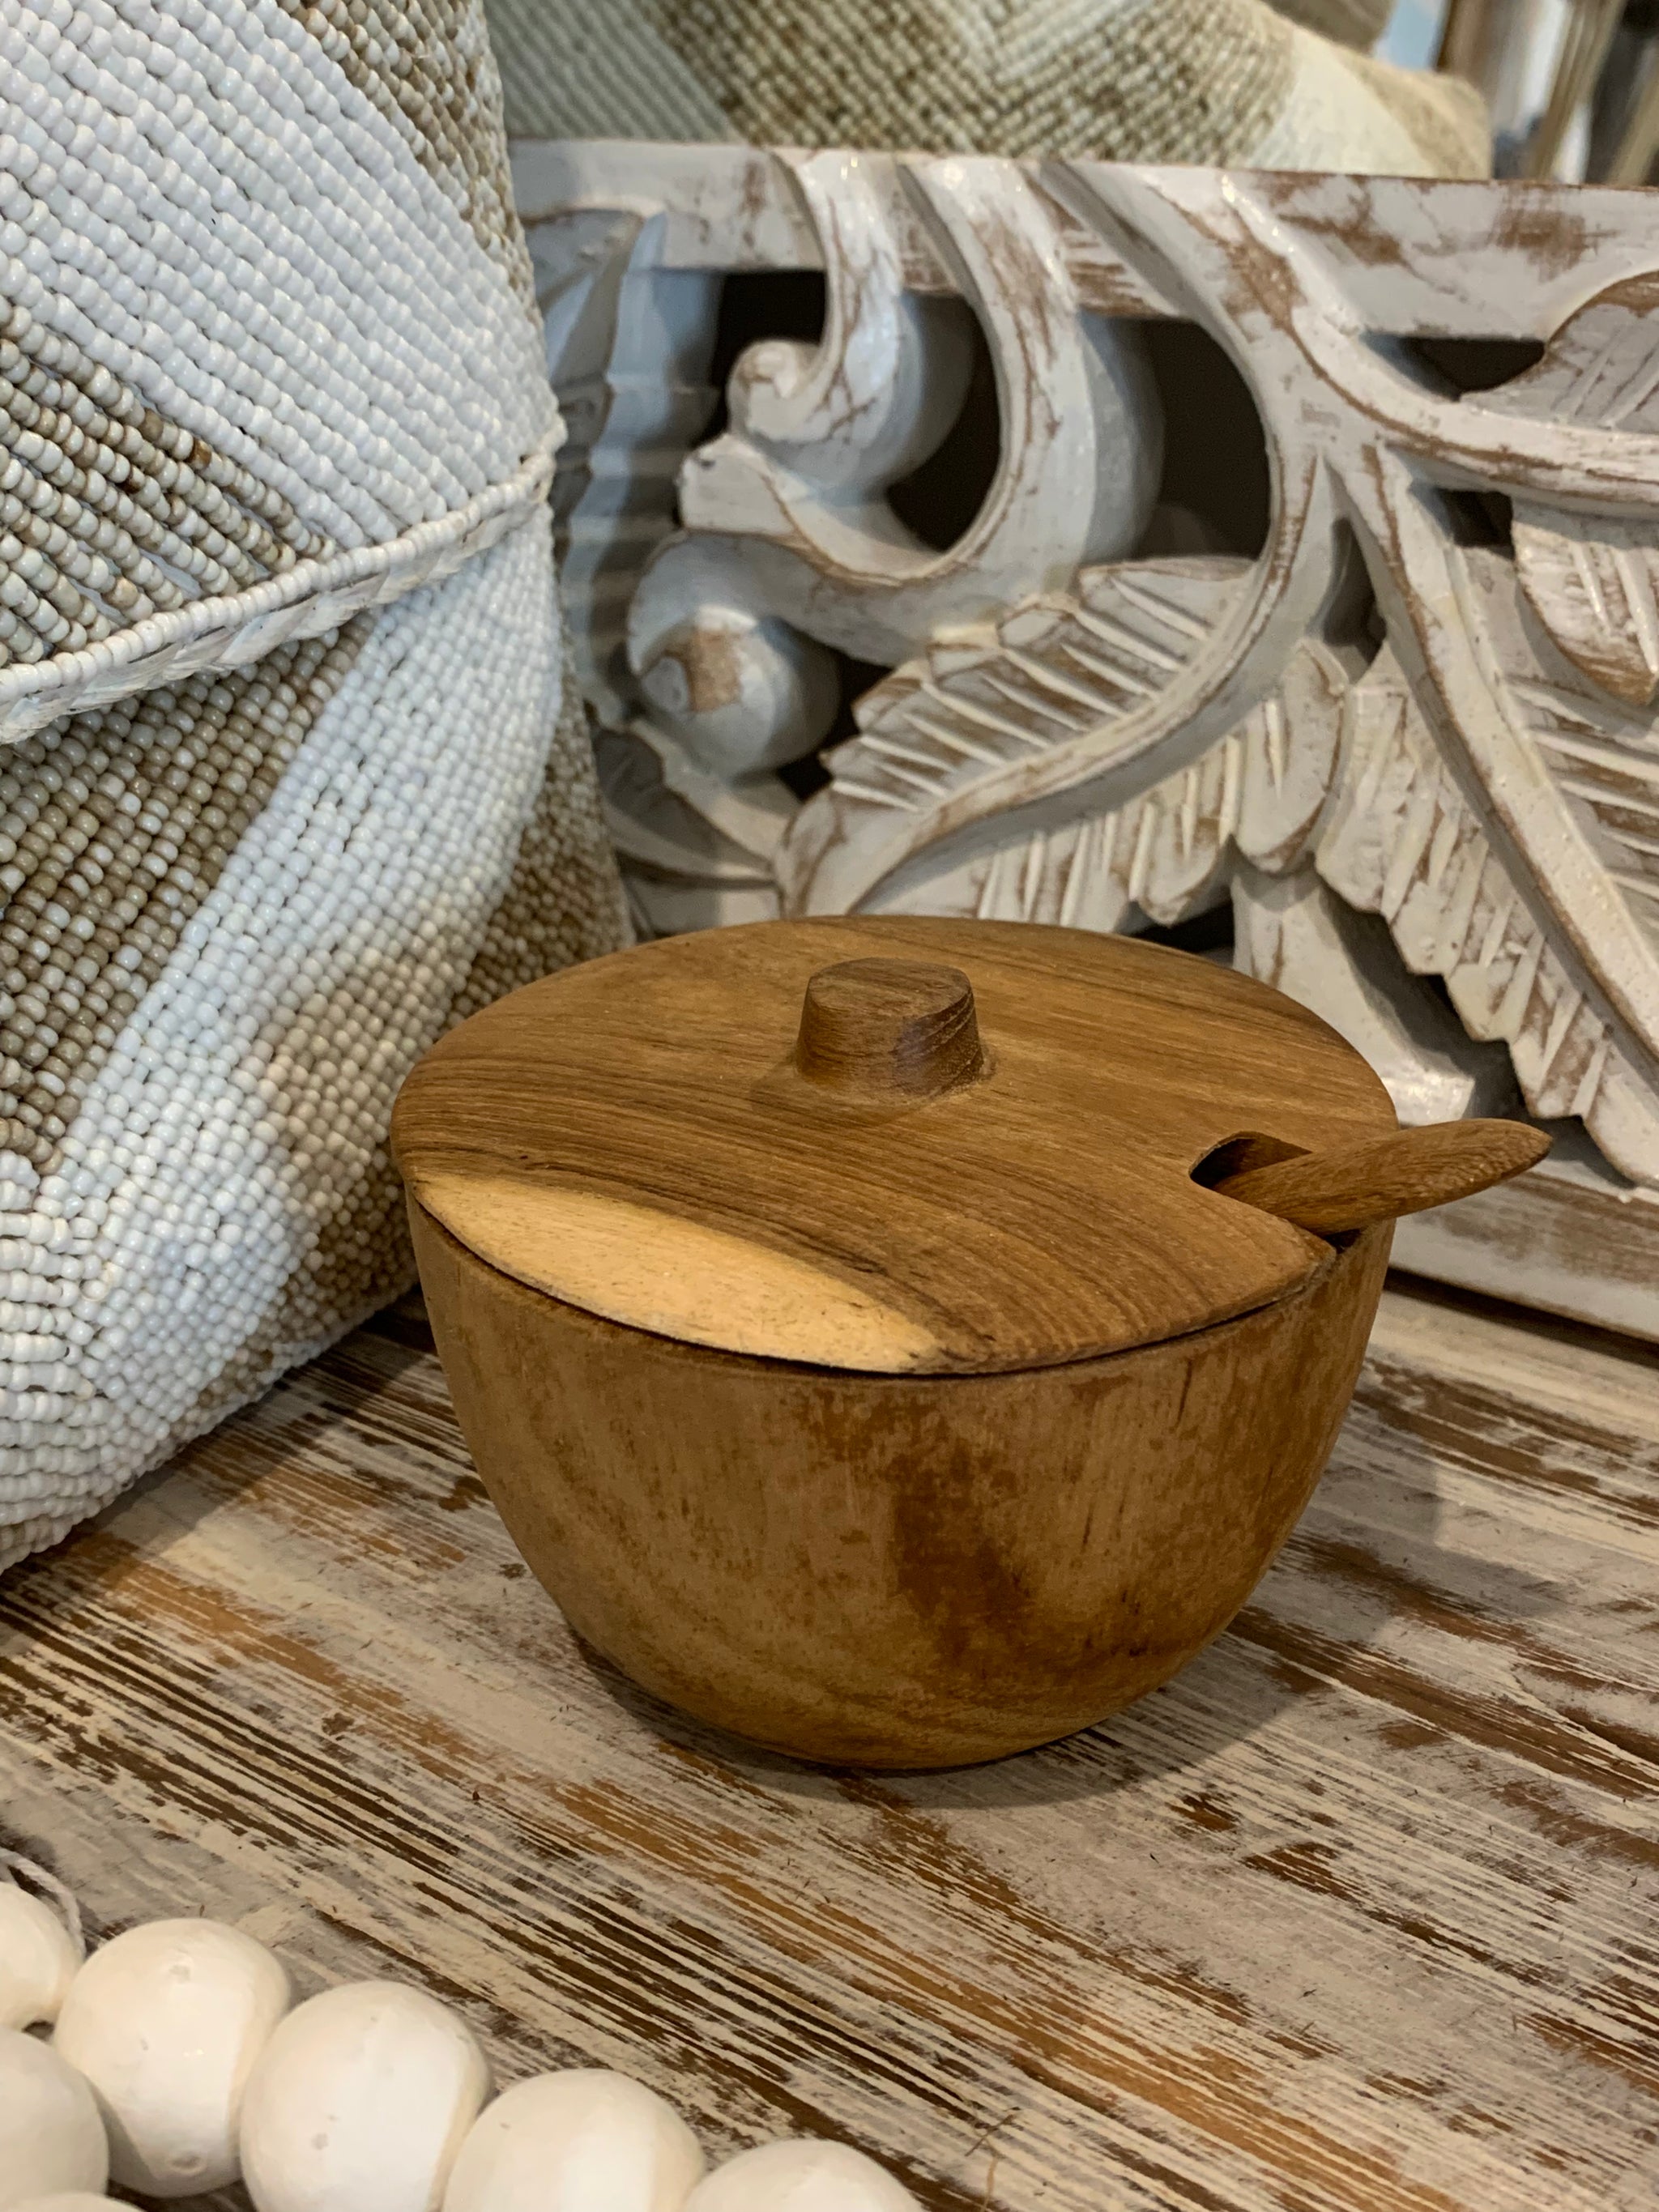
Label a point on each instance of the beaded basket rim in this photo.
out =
(230, 628)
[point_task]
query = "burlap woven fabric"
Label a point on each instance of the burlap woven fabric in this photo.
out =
(290, 778)
(1227, 81)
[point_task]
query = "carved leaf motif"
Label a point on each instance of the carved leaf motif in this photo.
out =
(1599, 367)
(1292, 931)
(1601, 761)
(1163, 856)
(1594, 585)
(1403, 841)
(1593, 581)
(1055, 668)
(1289, 749)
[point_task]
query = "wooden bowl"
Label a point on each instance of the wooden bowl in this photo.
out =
(896, 1571)
(901, 1341)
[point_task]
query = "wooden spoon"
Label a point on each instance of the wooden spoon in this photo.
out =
(1330, 1193)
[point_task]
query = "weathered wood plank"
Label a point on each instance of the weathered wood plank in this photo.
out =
(1357, 1916)
(1567, 1237)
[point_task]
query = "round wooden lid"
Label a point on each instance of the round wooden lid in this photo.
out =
(883, 1143)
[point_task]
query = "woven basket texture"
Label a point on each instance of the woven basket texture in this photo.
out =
(290, 777)
(1233, 82)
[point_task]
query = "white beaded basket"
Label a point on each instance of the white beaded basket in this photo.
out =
(285, 784)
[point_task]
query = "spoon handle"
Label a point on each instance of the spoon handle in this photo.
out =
(1331, 1192)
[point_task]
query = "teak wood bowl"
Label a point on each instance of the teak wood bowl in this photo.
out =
(836, 1320)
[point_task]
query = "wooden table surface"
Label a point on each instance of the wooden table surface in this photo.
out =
(1357, 1916)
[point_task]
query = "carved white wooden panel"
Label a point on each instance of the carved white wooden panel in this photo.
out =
(1412, 736)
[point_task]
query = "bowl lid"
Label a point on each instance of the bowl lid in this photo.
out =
(884, 1143)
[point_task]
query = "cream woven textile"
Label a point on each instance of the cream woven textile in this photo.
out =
(288, 780)
(1229, 82)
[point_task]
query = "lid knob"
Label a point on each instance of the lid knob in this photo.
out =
(904, 1026)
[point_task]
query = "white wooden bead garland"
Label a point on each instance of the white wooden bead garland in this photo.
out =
(801, 2177)
(371, 2097)
(362, 2100)
(41, 1945)
(52, 2138)
(288, 781)
(167, 2023)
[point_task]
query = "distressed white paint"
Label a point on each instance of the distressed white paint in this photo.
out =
(1074, 730)
(1356, 1914)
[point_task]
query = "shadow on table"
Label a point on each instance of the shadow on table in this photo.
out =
(1221, 1697)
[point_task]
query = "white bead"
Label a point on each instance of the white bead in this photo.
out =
(166, 2022)
(573, 2141)
(360, 2103)
(801, 2175)
(37, 1959)
(50, 2136)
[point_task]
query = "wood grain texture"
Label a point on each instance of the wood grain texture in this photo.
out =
(889, 1027)
(1355, 1915)
(1334, 1193)
(1042, 1212)
(887, 1571)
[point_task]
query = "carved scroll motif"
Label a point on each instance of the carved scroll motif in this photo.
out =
(1437, 821)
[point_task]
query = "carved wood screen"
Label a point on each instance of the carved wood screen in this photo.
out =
(925, 554)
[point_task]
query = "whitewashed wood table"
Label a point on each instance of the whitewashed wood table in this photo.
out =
(1359, 1915)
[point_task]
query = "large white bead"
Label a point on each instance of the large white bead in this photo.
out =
(50, 2136)
(37, 1959)
(572, 2142)
(801, 2175)
(360, 2103)
(166, 2022)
